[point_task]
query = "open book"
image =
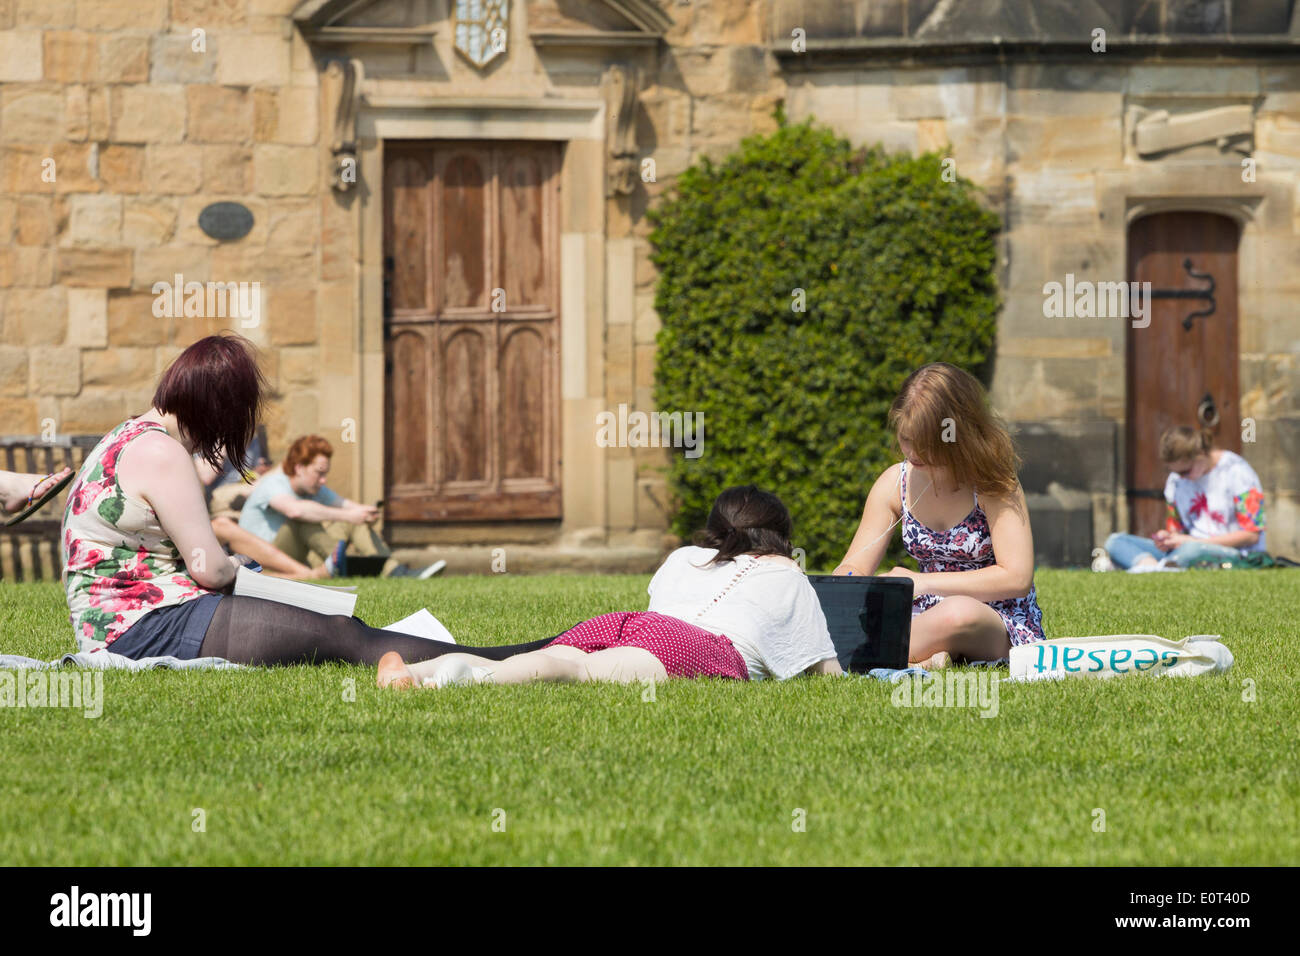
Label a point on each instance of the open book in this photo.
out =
(321, 598)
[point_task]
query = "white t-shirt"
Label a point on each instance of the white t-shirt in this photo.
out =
(1227, 498)
(770, 613)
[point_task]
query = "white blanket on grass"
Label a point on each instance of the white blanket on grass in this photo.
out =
(94, 655)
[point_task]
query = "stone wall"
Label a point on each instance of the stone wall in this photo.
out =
(716, 83)
(1051, 145)
(141, 131)
(144, 127)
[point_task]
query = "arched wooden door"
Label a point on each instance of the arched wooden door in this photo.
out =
(472, 330)
(1182, 369)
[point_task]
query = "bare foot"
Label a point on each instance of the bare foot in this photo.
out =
(18, 488)
(393, 672)
(935, 662)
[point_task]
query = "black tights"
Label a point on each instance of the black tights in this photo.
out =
(249, 630)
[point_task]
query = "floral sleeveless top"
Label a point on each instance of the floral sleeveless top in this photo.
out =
(118, 564)
(966, 546)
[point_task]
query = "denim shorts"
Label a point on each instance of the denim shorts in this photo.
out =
(173, 631)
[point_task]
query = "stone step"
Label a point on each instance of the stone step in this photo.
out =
(534, 559)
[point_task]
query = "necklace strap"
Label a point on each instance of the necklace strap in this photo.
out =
(735, 579)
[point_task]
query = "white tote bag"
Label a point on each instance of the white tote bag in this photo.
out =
(1111, 655)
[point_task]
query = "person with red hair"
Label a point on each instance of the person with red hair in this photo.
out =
(293, 509)
(144, 573)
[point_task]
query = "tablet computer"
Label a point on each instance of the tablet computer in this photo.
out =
(870, 619)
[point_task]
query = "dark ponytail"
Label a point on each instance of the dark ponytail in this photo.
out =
(746, 520)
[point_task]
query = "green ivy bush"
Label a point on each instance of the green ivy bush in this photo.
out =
(897, 270)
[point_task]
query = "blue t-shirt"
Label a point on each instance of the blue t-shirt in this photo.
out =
(264, 521)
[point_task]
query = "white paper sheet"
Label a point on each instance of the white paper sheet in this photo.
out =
(422, 624)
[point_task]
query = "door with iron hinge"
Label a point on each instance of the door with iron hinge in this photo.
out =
(1182, 368)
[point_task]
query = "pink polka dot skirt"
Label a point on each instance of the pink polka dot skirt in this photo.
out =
(684, 649)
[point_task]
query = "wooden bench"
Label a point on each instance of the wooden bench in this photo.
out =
(31, 551)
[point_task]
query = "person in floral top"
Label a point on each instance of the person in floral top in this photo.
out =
(1214, 508)
(144, 573)
(964, 518)
(130, 546)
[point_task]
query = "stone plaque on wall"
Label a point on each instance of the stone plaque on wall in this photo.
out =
(226, 220)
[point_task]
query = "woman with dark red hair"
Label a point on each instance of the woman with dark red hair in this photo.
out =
(144, 572)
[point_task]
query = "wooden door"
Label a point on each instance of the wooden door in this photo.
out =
(1182, 369)
(472, 331)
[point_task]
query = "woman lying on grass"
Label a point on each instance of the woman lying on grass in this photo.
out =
(964, 520)
(143, 570)
(738, 607)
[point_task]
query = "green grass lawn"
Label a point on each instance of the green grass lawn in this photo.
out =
(288, 770)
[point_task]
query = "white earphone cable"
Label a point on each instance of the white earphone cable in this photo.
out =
(888, 530)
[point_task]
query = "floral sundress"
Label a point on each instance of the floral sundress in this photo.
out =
(118, 564)
(966, 546)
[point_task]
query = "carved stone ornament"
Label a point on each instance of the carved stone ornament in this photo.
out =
(1227, 127)
(620, 89)
(480, 29)
(344, 80)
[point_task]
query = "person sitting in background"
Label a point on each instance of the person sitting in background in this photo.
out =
(226, 489)
(292, 508)
(236, 540)
(1214, 508)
